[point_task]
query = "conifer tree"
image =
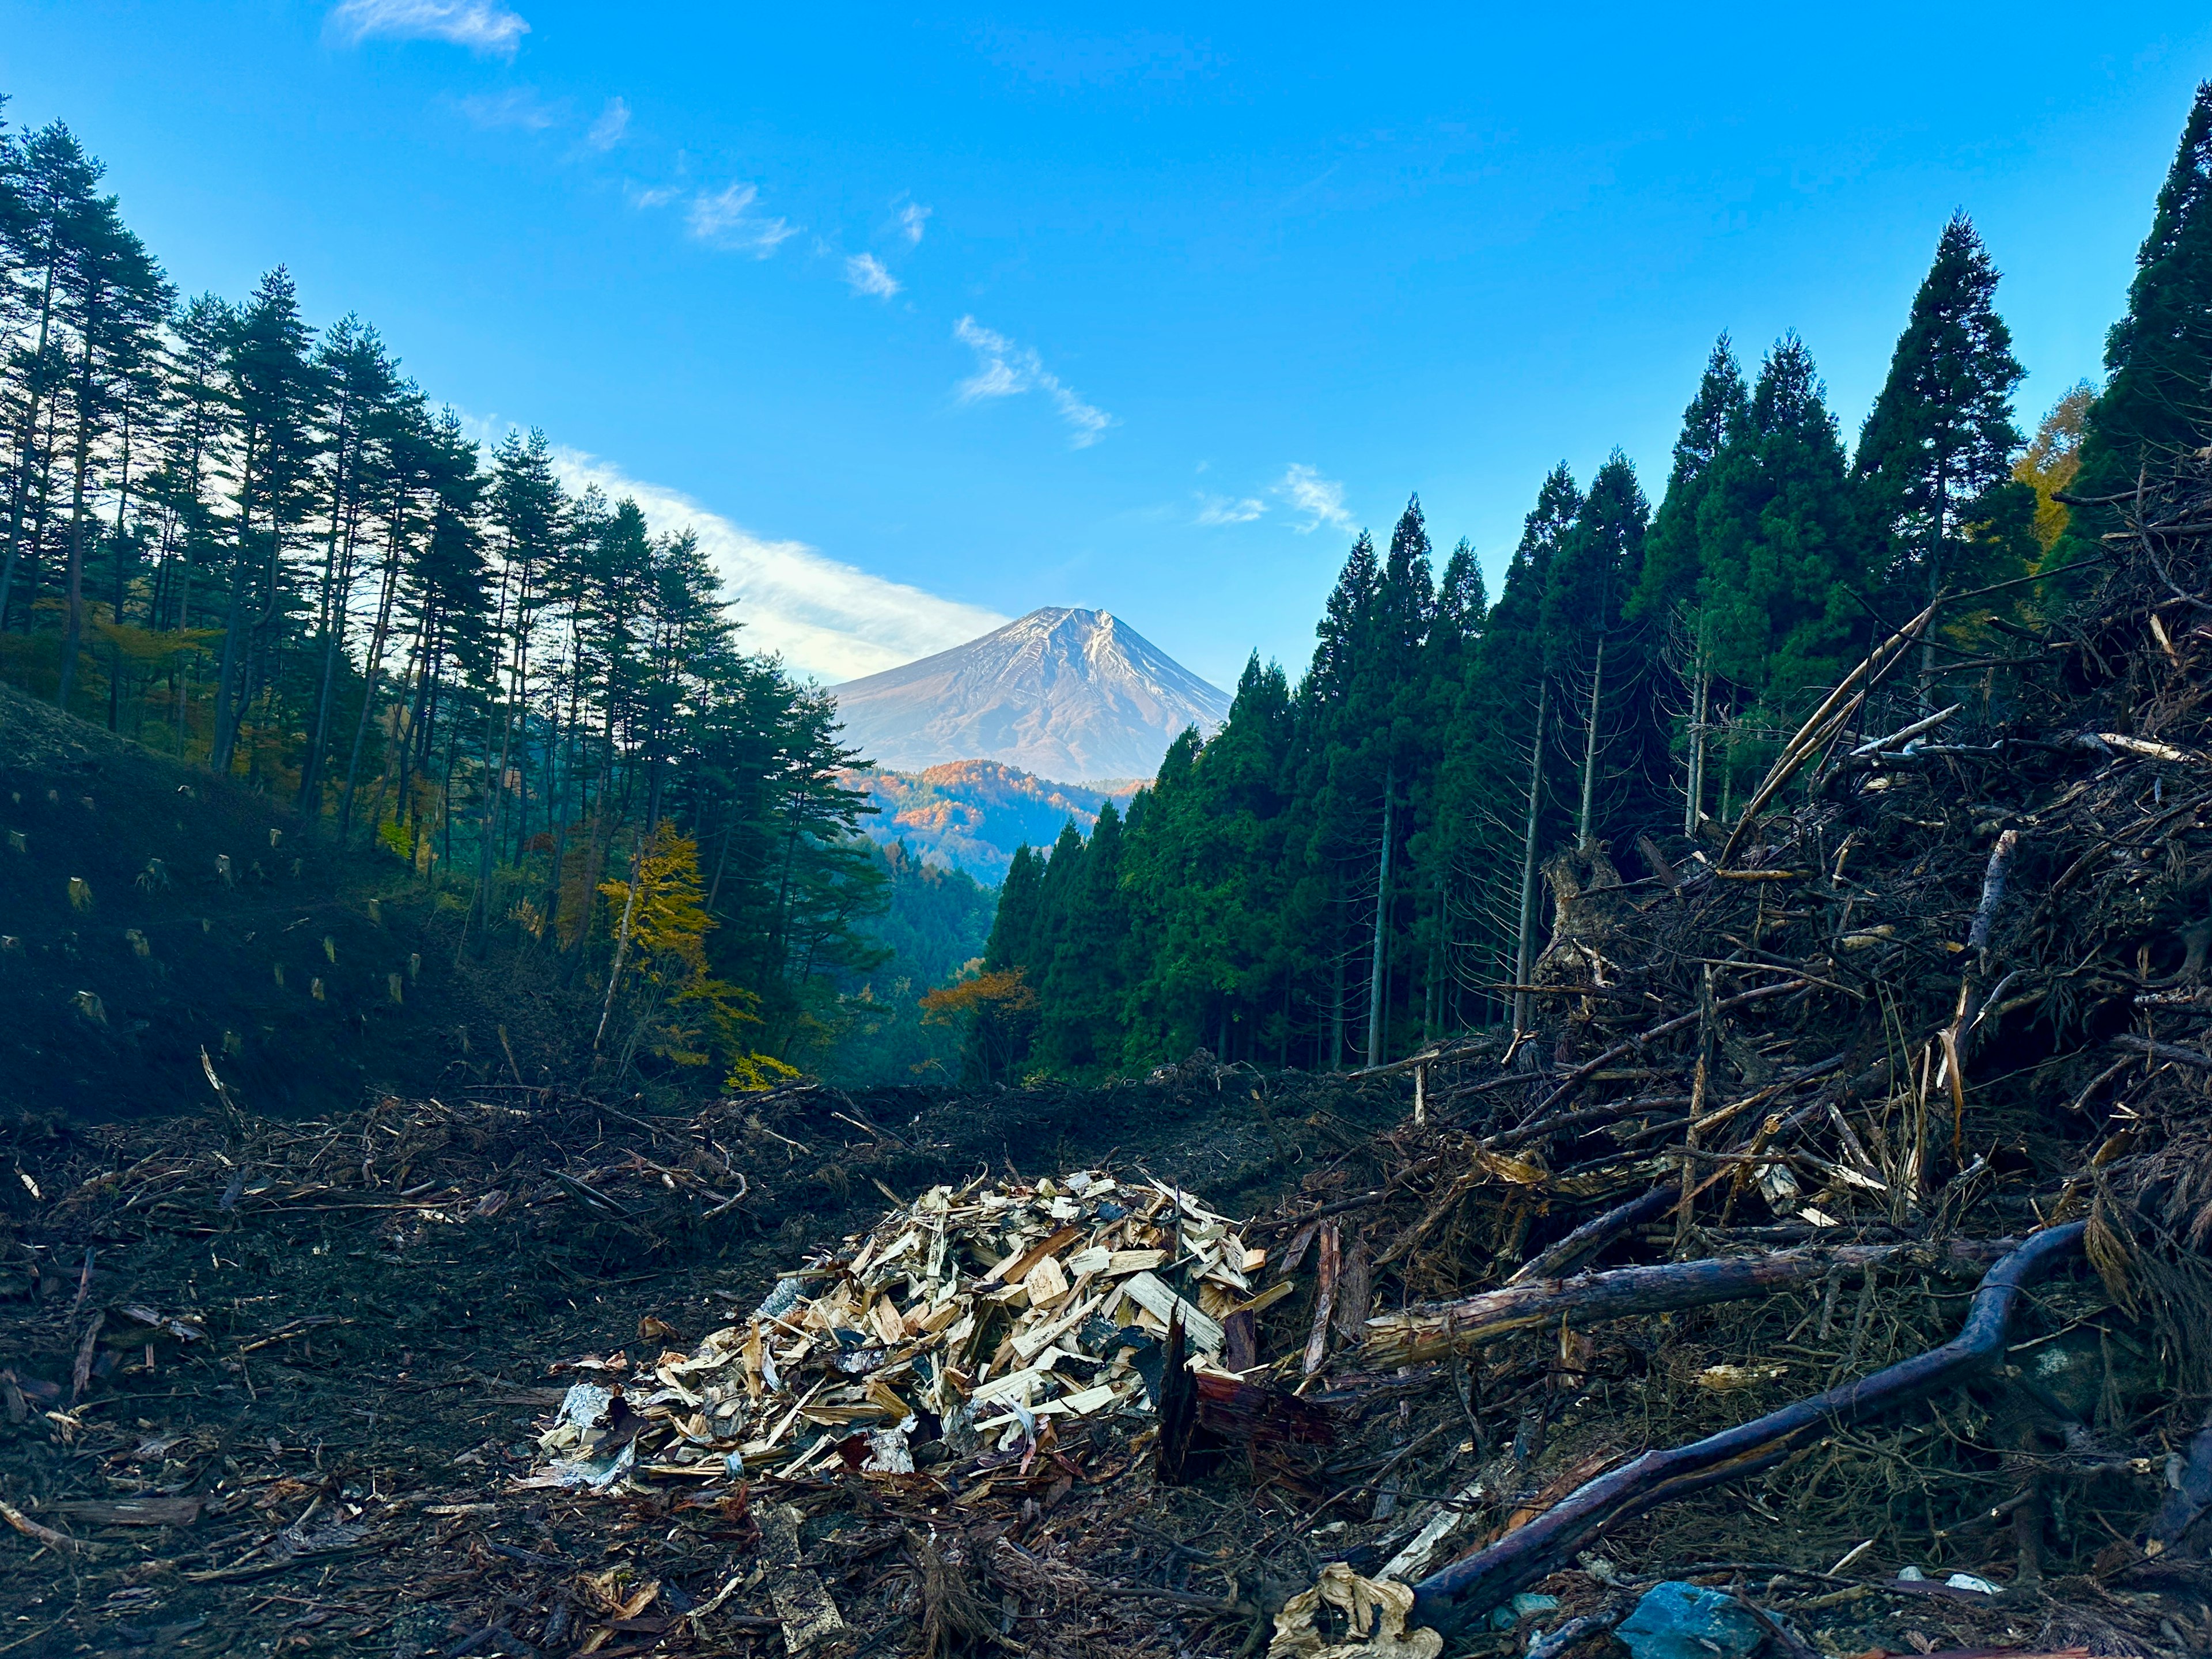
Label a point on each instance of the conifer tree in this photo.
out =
(274, 388)
(114, 297)
(51, 199)
(1584, 619)
(1933, 472)
(1777, 530)
(1667, 590)
(1083, 988)
(1492, 791)
(2157, 400)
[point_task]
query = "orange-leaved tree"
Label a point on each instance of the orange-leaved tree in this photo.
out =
(1001, 1012)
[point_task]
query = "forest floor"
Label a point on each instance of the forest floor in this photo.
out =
(353, 1318)
(273, 1386)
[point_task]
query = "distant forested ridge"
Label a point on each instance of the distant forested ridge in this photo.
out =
(257, 546)
(972, 815)
(1357, 864)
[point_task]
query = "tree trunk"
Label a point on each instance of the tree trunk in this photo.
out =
(1336, 1018)
(1935, 586)
(1481, 1580)
(368, 687)
(1693, 797)
(1524, 936)
(1589, 747)
(122, 588)
(73, 634)
(30, 435)
(228, 707)
(1424, 1332)
(1375, 988)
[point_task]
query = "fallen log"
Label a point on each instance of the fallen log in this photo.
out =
(1426, 1333)
(1484, 1579)
(1594, 1234)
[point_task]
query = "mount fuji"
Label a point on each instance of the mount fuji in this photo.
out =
(1070, 694)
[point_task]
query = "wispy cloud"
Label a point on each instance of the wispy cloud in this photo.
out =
(656, 196)
(866, 274)
(607, 131)
(480, 25)
(823, 617)
(1224, 509)
(1320, 500)
(912, 217)
(1004, 369)
(724, 219)
(518, 106)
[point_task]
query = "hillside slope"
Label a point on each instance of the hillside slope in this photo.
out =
(149, 909)
(1062, 693)
(971, 815)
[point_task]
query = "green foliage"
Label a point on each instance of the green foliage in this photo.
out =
(1934, 466)
(256, 548)
(934, 931)
(2158, 358)
(1779, 551)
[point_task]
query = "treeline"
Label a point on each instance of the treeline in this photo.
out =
(1358, 864)
(264, 548)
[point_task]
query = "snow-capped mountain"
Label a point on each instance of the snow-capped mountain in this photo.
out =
(1068, 695)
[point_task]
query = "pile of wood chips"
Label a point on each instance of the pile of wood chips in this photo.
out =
(968, 1319)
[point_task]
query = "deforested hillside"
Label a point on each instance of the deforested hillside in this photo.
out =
(151, 910)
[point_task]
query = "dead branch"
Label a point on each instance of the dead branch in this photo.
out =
(1477, 1582)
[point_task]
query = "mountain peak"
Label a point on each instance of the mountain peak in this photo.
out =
(1063, 693)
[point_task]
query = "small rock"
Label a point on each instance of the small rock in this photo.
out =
(1676, 1620)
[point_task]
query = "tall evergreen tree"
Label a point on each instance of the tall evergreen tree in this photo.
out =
(1932, 471)
(1584, 623)
(52, 200)
(2157, 400)
(1667, 593)
(1780, 553)
(1493, 795)
(273, 391)
(114, 298)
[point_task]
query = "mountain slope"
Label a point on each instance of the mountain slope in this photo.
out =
(971, 815)
(1059, 693)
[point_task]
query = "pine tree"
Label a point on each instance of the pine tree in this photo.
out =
(274, 388)
(361, 380)
(1083, 988)
(114, 298)
(1491, 793)
(2157, 400)
(51, 198)
(1584, 620)
(1673, 557)
(1668, 588)
(1780, 552)
(1934, 466)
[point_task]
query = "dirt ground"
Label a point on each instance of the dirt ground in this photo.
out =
(271, 1385)
(352, 1320)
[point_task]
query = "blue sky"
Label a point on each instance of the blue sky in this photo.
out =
(927, 320)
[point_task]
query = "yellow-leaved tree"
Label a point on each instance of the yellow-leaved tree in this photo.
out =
(662, 993)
